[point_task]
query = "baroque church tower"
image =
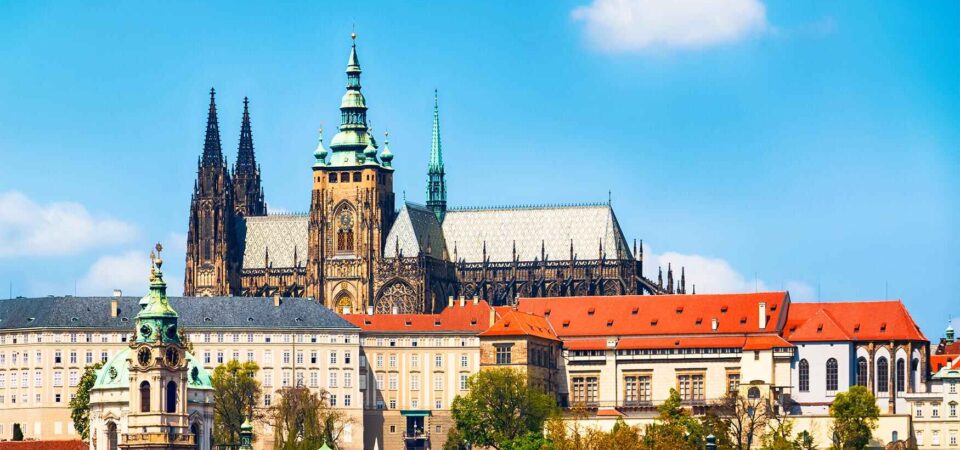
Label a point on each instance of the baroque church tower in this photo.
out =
(351, 207)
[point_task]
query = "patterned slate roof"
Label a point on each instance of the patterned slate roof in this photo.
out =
(415, 227)
(280, 235)
(195, 312)
(554, 227)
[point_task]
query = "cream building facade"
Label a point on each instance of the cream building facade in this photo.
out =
(936, 419)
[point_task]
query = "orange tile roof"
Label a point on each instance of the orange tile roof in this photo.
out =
(516, 323)
(938, 362)
(609, 413)
(952, 349)
(765, 342)
(585, 344)
(467, 318)
(44, 445)
(647, 315)
(863, 321)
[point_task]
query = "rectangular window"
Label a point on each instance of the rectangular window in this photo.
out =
(415, 361)
(393, 361)
(463, 381)
(346, 357)
(332, 381)
(37, 379)
(268, 379)
(348, 379)
(313, 357)
(438, 404)
(206, 357)
(464, 360)
(299, 357)
(936, 437)
(268, 357)
(414, 381)
(935, 410)
(438, 361)
(380, 381)
(347, 400)
(286, 358)
(333, 399)
(3, 380)
(73, 357)
(393, 382)
(103, 357)
(314, 378)
(690, 387)
(503, 354)
(57, 378)
(733, 382)
(249, 356)
(333, 357)
(236, 355)
(266, 399)
(220, 338)
(438, 381)
(285, 378)
(636, 388)
(74, 378)
(219, 357)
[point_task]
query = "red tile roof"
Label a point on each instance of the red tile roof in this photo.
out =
(766, 342)
(863, 321)
(647, 315)
(516, 323)
(44, 445)
(467, 318)
(951, 349)
(938, 362)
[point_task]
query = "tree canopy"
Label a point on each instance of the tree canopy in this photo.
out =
(500, 408)
(80, 404)
(303, 420)
(855, 414)
(236, 392)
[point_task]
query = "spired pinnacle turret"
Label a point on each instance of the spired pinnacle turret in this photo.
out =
(212, 155)
(353, 144)
(436, 185)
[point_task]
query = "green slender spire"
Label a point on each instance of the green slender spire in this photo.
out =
(436, 185)
(157, 320)
(350, 143)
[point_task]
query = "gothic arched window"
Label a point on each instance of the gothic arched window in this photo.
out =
(171, 397)
(901, 374)
(344, 232)
(862, 371)
(145, 396)
(753, 392)
(195, 431)
(883, 373)
(832, 378)
(804, 376)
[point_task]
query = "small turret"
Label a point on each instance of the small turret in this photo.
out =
(320, 154)
(386, 155)
(949, 334)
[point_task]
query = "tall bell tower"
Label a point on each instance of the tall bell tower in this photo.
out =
(158, 417)
(351, 206)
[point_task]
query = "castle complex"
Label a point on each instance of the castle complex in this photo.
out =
(355, 251)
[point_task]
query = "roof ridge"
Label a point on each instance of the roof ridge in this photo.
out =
(530, 206)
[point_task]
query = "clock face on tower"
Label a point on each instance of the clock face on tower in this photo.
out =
(173, 357)
(346, 221)
(143, 356)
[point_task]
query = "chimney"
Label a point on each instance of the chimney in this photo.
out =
(117, 293)
(449, 301)
(763, 314)
(276, 300)
(114, 307)
(493, 316)
(714, 324)
(369, 310)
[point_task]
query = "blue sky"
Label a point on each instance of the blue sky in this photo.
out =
(813, 146)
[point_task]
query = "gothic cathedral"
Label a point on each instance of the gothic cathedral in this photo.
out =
(356, 251)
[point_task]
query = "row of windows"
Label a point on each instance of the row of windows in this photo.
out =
(345, 177)
(414, 381)
(333, 379)
(420, 342)
(37, 398)
(935, 438)
(73, 338)
(414, 360)
(638, 388)
(935, 410)
(235, 338)
(24, 378)
(314, 357)
(883, 373)
(72, 357)
(414, 403)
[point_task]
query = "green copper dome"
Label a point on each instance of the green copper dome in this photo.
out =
(115, 374)
(386, 155)
(320, 154)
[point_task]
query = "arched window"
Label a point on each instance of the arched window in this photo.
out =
(195, 431)
(914, 365)
(145, 396)
(901, 374)
(753, 392)
(895, 437)
(883, 374)
(804, 376)
(832, 378)
(171, 397)
(112, 436)
(344, 232)
(862, 371)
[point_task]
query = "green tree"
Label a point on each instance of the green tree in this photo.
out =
(674, 428)
(744, 419)
(854, 414)
(804, 441)
(80, 405)
(499, 408)
(303, 420)
(236, 392)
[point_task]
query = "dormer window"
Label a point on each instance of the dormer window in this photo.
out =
(653, 322)
(820, 328)
(743, 320)
(679, 310)
(436, 323)
(566, 323)
(591, 311)
(635, 311)
(723, 309)
(609, 323)
(856, 328)
(883, 327)
(699, 320)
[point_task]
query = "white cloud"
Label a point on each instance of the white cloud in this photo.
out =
(633, 25)
(129, 272)
(715, 275)
(61, 228)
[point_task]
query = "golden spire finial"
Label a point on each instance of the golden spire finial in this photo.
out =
(157, 260)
